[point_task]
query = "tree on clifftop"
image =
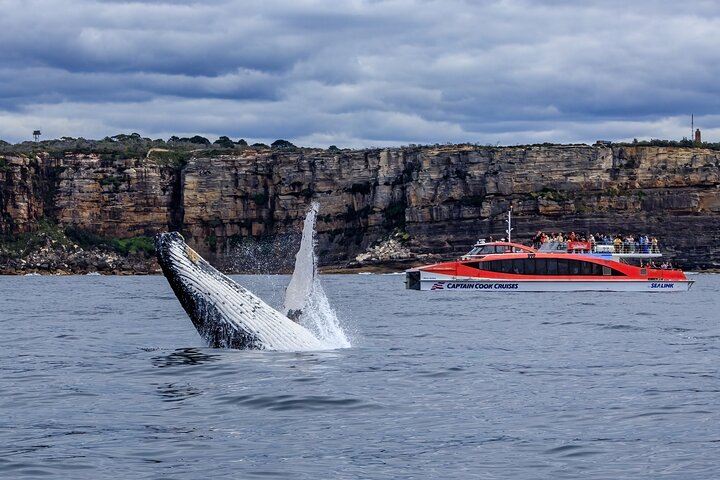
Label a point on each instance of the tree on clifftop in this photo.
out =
(224, 142)
(282, 145)
(199, 140)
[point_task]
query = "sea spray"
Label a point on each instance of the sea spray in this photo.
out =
(320, 318)
(266, 257)
(301, 282)
(305, 295)
(262, 256)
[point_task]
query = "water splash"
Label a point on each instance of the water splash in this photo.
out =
(305, 295)
(320, 318)
(301, 283)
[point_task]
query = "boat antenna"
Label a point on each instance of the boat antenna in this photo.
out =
(509, 223)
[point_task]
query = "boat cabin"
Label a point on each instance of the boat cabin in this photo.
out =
(481, 249)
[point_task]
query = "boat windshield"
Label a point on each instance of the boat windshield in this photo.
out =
(488, 248)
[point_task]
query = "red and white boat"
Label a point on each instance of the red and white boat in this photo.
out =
(555, 267)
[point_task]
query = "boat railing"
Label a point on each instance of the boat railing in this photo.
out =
(588, 247)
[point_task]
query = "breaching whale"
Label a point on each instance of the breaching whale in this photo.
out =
(224, 313)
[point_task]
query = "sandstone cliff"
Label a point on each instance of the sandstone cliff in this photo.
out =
(444, 198)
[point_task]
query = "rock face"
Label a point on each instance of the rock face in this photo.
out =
(21, 194)
(113, 198)
(444, 198)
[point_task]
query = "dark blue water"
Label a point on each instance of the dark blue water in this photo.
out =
(105, 377)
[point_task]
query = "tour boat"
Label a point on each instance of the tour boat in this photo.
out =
(562, 267)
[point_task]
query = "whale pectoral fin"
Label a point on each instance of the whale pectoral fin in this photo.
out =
(226, 314)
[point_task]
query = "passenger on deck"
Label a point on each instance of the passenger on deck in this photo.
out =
(537, 239)
(627, 244)
(654, 245)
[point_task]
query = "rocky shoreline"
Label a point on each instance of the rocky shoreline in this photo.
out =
(59, 258)
(54, 257)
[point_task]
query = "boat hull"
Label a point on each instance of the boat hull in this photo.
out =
(554, 285)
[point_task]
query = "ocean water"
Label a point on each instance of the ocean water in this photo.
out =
(106, 378)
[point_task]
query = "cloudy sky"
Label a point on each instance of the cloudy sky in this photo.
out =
(361, 73)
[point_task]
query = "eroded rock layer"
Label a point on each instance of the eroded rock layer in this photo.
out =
(443, 198)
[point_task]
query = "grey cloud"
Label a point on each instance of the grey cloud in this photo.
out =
(365, 72)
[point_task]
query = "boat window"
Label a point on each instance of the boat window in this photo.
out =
(491, 266)
(540, 266)
(617, 273)
(562, 264)
(574, 267)
(552, 266)
(482, 250)
(545, 266)
(518, 266)
(529, 266)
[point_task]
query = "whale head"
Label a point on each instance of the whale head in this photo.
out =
(224, 313)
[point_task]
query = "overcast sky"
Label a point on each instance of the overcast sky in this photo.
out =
(361, 73)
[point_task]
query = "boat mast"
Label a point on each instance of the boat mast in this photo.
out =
(509, 224)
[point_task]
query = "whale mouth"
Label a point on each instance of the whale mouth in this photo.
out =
(225, 314)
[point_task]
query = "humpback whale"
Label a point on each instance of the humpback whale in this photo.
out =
(225, 314)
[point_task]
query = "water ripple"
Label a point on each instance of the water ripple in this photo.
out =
(185, 356)
(452, 387)
(289, 402)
